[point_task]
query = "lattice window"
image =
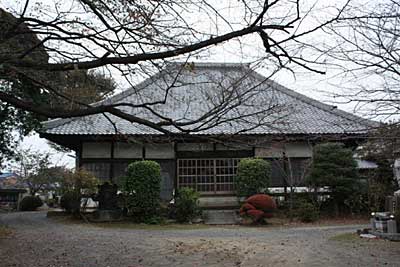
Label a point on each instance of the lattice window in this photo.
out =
(225, 173)
(207, 175)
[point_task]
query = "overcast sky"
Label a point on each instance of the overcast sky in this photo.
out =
(246, 50)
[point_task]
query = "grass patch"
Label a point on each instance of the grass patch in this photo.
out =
(5, 231)
(346, 237)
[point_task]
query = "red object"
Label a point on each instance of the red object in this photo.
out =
(247, 206)
(255, 214)
(262, 202)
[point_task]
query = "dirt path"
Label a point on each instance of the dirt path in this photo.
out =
(38, 241)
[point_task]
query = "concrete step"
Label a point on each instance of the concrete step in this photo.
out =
(220, 216)
(218, 202)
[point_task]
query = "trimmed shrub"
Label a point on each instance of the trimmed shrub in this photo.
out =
(142, 187)
(71, 201)
(253, 177)
(307, 212)
(186, 204)
(30, 203)
(245, 207)
(256, 215)
(262, 202)
(258, 207)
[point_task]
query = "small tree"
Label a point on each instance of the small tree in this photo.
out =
(74, 186)
(381, 148)
(253, 176)
(333, 165)
(186, 203)
(80, 181)
(143, 186)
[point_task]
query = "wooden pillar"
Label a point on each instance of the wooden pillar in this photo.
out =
(285, 170)
(19, 201)
(112, 163)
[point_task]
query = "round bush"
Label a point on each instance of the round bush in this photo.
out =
(258, 207)
(142, 187)
(246, 206)
(30, 203)
(262, 202)
(256, 215)
(253, 177)
(70, 201)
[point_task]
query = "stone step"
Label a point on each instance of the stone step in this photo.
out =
(221, 202)
(220, 216)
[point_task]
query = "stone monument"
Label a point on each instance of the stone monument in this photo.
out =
(108, 209)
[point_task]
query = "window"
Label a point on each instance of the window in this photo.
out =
(207, 175)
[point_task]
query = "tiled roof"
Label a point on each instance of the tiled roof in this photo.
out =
(256, 105)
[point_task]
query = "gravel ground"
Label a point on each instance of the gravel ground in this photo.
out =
(38, 241)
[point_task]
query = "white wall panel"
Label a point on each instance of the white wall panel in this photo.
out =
(159, 151)
(96, 150)
(127, 150)
(298, 150)
(194, 147)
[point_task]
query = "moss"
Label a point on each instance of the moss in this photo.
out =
(346, 237)
(5, 231)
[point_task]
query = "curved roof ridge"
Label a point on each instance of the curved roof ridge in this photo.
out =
(50, 124)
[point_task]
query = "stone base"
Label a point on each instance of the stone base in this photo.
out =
(220, 217)
(218, 202)
(106, 216)
(389, 236)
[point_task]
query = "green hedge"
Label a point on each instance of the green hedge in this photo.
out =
(253, 177)
(30, 203)
(142, 188)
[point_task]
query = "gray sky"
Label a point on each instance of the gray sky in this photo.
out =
(243, 50)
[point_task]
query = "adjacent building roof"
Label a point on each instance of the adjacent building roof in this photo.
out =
(10, 180)
(224, 98)
(5, 175)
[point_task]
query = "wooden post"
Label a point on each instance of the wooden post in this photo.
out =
(285, 170)
(19, 200)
